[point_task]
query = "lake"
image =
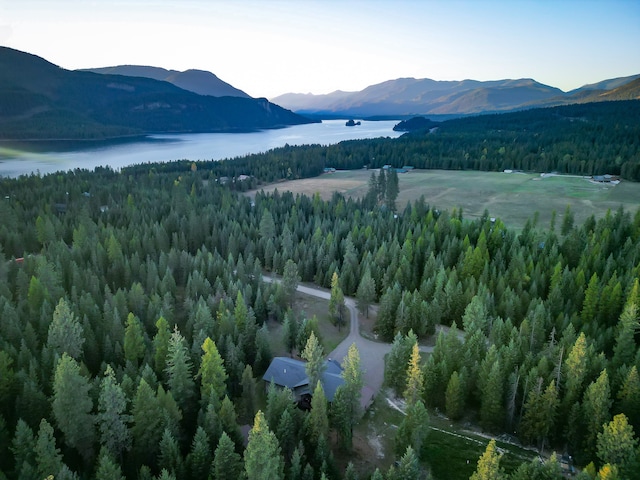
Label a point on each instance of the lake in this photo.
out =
(199, 146)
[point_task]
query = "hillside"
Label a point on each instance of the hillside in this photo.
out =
(410, 96)
(196, 81)
(39, 100)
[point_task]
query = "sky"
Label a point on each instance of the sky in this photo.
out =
(268, 48)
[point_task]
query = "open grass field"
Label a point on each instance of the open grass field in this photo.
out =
(450, 452)
(514, 197)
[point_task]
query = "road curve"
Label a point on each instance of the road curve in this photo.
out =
(371, 353)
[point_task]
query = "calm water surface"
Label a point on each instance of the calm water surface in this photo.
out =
(201, 146)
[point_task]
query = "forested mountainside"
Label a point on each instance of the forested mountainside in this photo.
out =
(592, 139)
(39, 100)
(196, 81)
(133, 324)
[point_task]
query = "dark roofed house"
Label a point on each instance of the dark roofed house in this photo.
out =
(289, 373)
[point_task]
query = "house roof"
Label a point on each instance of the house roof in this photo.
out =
(290, 373)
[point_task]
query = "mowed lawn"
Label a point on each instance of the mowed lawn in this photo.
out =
(512, 197)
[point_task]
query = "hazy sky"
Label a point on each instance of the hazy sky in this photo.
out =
(267, 48)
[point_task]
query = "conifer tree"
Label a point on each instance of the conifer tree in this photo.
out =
(336, 300)
(72, 407)
(161, 345)
(198, 460)
(366, 293)
(317, 421)
(489, 465)
(262, 457)
(290, 280)
(491, 407)
(314, 355)
(454, 397)
(179, 370)
(596, 407)
(108, 469)
(48, 456)
(617, 446)
(170, 458)
(65, 332)
(134, 348)
(226, 462)
(415, 385)
(213, 376)
(112, 417)
(147, 425)
(413, 429)
(395, 372)
(629, 398)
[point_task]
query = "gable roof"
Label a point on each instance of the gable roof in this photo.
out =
(290, 373)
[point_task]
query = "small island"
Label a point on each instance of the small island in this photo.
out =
(352, 123)
(415, 123)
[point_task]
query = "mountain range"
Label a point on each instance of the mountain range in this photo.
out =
(197, 81)
(410, 96)
(39, 100)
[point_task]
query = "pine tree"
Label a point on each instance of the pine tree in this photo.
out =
(198, 460)
(317, 421)
(395, 372)
(491, 405)
(112, 418)
(366, 293)
(454, 397)
(540, 413)
(147, 425)
(596, 410)
(229, 421)
(134, 348)
(336, 300)
(179, 370)
(108, 469)
(72, 406)
(617, 446)
(48, 456)
(415, 386)
(314, 355)
(262, 457)
(248, 399)
(170, 458)
(345, 409)
(625, 347)
(161, 345)
(65, 332)
(290, 280)
(23, 451)
(413, 429)
(489, 465)
(226, 462)
(629, 398)
(213, 376)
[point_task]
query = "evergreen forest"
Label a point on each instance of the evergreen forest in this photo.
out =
(133, 314)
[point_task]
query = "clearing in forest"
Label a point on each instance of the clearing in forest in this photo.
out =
(512, 197)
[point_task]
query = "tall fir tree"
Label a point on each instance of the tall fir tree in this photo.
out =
(262, 457)
(113, 421)
(72, 407)
(313, 353)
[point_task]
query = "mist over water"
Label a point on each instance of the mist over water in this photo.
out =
(163, 148)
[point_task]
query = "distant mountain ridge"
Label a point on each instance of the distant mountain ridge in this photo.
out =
(410, 96)
(39, 100)
(196, 81)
